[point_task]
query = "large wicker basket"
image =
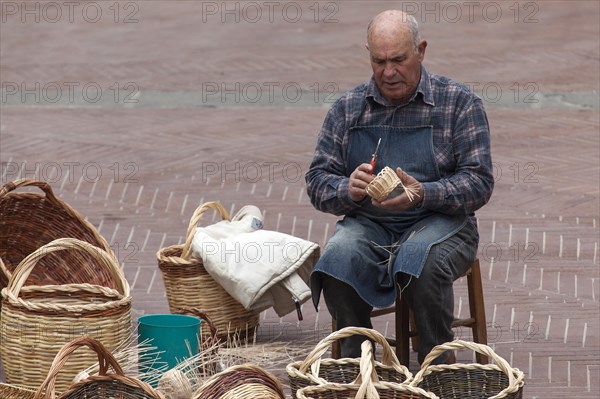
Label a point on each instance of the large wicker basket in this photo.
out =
(473, 381)
(190, 286)
(314, 370)
(29, 220)
(245, 381)
(38, 320)
(366, 386)
(105, 385)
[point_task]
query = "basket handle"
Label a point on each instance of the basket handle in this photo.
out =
(21, 273)
(45, 187)
(105, 359)
(514, 383)
(368, 375)
(313, 360)
(191, 230)
(204, 317)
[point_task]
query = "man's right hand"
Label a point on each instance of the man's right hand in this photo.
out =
(359, 179)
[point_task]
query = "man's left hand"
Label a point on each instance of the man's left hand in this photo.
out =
(402, 202)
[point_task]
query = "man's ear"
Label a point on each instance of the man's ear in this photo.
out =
(367, 46)
(421, 47)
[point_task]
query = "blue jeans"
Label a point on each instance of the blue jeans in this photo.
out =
(431, 296)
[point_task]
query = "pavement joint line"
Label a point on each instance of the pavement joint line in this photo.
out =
(589, 100)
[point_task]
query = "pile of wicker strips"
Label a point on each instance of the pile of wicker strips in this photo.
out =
(473, 381)
(314, 370)
(366, 385)
(245, 381)
(38, 320)
(29, 220)
(190, 286)
(102, 386)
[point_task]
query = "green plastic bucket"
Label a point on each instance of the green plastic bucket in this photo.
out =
(175, 337)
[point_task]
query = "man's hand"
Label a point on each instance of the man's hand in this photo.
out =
(359, 179)
(403, 202)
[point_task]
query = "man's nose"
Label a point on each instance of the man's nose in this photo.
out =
(389, 69)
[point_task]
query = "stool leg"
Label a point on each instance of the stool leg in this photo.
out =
(335, 347)
(477, 308)
(402, 330)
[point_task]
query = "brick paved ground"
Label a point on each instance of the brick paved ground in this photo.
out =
(139, 111)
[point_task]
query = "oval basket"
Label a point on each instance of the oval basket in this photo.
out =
(102, 386)
(383, 184)
(38, 320)
(190, 286)
(246, 381)
(30, 220)
(366, 386)
(314, 370)
(474, 381)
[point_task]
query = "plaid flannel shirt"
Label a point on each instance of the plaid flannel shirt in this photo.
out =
(461, 143)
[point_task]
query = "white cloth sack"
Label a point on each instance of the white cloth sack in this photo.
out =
(259, 268)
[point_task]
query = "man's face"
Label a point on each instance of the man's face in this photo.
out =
(396, 66)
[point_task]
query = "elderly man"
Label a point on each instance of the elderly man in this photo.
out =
(434, 132)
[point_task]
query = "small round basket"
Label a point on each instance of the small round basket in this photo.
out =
(30, 220)
(245, 381)
(38, 320)
(102, 386)
(190, 286)
(366, 385)
(383, 184)
(473, 381)
(314, 370)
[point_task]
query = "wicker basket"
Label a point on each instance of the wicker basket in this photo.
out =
(474, 381)
(366, 386)
(38, 320)
(314, 370)
(16, 392)
(102, 386)
(246, 381)
(190, 286)
(383, 184)
(29, 220)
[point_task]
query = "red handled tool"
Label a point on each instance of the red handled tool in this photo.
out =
(374, 157)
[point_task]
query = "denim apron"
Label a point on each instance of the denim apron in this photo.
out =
(372, 245)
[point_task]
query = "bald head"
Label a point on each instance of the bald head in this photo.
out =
(394, 24)
(396, 53)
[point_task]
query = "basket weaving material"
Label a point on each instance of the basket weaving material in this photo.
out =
(30, 220)
(383, 184)
(190, 286)
(474, 381)
(314, 370)
(246, 381)
(105, 385)
(366, 386)
(38, 320)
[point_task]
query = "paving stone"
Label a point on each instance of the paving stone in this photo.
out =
(137, 170)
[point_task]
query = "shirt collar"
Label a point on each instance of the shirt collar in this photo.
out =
(424, 88)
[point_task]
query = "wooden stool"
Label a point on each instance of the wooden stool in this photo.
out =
(405, 329)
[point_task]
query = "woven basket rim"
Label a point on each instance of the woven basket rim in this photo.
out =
(302, 393)
(112, 298)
